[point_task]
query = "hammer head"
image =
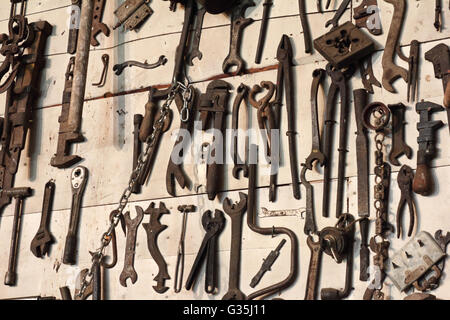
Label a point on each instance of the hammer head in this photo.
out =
(18, 192)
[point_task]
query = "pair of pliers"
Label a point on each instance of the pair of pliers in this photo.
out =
(265, 115)
(405, 179)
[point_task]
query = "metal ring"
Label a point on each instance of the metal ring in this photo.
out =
(381, 120)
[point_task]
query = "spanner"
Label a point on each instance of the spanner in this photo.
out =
(79, 178)
(118, 68)
(236, 212)
(195, 51)
(335, 20)
(43, 238)
(238, 24)
(98, 26)
(128, 271)
(399, 146)
(239, 164)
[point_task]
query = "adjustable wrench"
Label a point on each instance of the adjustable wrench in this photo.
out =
(43, 238)
(128, 271)
(236, 212)
(79, 178)
(238, 24)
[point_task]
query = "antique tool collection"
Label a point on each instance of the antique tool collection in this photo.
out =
(345, 47)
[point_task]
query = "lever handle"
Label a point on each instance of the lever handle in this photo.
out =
(423, 180)
(147, 123)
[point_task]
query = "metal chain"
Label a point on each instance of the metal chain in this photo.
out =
(143, 157)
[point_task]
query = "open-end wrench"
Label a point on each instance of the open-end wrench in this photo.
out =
(153, 229)
(238, 24)
(391, 71)
(118, 68)
(335, 20)
(98, 26)
(195, 51)
(399, 146)
(236, 212)
(314, 268)
(79, 178)
(43, 238)
(128, 271)
(443, 241)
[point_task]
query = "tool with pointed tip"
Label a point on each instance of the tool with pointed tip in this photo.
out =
(239, 164)
(413, 68)
(399, 146)
(79, 177)
(128, 271)
(423, 181)
(391, 71)
(362, 163)
(236, 212)
(238, 24)
(285, 79)
(195, 51)
(213, 226)
(316, 153)
(405, 179)
(98, 26)
(263, 30)
(43, 238)
(19, 194)
(267, 264)
(439, 56)
(179, 267)
(153, 229)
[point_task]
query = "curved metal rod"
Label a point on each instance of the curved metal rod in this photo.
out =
(251, 222)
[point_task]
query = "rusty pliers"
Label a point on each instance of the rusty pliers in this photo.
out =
(405, 179)
(265, 115)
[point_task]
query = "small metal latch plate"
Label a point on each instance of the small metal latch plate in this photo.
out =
(413, 260)
(344, 45)
(132, 13)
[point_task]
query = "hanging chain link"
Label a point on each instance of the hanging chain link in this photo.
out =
(143, 157)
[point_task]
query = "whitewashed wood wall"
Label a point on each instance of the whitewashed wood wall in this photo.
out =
(108, 125)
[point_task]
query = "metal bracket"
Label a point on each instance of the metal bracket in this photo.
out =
(132, 13)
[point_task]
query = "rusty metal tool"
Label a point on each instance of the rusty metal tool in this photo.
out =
(367, 75)
(74, 26)
(22, 70)
(399, 146)
(265, 116)
(102, 81)
(236, 212)
(423, 181)
(267, 264)
(305, 26)
(213, 226)
(367, 15)
(179, 267)
(285, 79)
(263, 30)
(443, 242)
(218, 6)
(19, 194)
(78, 177)
(238, 24)
(319, 5)
(413, 68)
(339, 83)
(137, 147)
(128, 271)
(41, 242)
(439, 56)
(391, 71)
(335, 20)
(213, 106)
(98, 26)
(338, 244)
(315, 264)
(438, 16)
(175, 170)
(153, 229)
(362, 163)
(272, 231)
(405, 179)
(239, 164)
(315, 155)
(195, 50)
(132, 13)
(70, 122)
(118, 68)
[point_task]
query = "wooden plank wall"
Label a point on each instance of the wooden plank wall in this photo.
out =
(108, 125)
